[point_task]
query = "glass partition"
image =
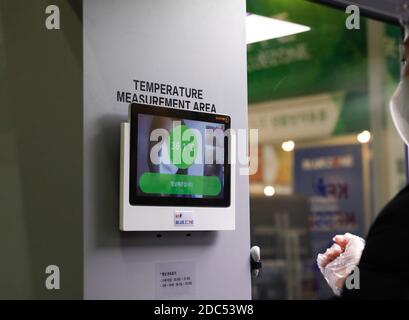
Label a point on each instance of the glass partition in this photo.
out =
(329, 157)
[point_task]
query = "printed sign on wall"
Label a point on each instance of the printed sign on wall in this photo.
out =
(174, 280)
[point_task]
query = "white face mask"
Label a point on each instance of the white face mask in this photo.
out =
(399, 108)
(399, 104)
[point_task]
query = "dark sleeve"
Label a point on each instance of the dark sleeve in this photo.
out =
(384, 265)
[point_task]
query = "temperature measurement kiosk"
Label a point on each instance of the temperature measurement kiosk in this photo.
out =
(175, 172)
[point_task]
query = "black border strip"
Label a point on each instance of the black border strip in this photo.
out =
(364, 11)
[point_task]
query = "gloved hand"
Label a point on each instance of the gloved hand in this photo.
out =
(340, 259)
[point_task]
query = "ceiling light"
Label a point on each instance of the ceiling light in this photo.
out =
(288, 145)
(259, 28)
(269, 191)
(364, 136)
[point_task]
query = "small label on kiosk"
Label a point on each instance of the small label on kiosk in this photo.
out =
(184, 218)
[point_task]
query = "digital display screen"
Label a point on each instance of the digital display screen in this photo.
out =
(178, 158)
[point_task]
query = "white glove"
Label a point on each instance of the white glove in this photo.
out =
(340, 259)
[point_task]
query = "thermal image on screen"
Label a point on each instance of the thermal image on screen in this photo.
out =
(180, 158)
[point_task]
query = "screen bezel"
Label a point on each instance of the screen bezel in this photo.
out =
(134, 198)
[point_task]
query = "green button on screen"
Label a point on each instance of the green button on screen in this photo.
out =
(179, 184)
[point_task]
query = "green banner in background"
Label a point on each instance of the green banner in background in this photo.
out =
(329, 58)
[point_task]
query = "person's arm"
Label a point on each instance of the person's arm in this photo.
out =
(384, 264)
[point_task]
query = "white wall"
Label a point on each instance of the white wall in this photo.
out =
(193, 43)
